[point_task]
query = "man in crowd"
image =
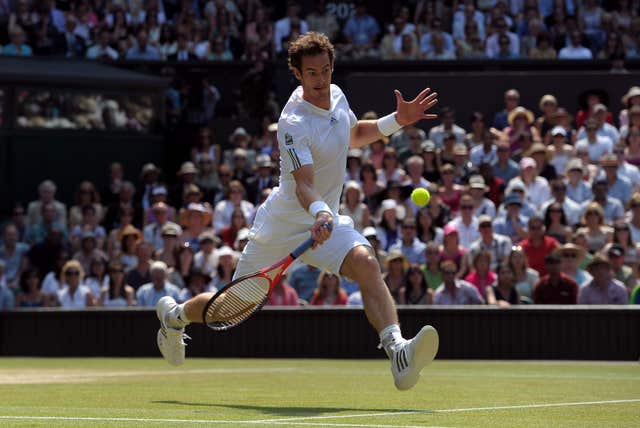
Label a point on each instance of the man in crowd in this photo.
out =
(555, 288)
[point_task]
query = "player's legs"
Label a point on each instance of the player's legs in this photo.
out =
(408, 357)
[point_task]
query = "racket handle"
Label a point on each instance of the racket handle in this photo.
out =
(300, 249)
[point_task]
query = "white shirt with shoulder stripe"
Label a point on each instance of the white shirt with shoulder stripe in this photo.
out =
(307, 135)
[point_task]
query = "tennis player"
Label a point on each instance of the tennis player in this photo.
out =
(315, 131)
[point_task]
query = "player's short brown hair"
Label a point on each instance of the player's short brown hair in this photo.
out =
(309, 44)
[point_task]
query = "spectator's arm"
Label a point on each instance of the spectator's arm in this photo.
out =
(130, 295)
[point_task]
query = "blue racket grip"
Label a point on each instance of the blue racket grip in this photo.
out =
(306, 244)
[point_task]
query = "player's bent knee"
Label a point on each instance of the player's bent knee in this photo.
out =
(360, 264)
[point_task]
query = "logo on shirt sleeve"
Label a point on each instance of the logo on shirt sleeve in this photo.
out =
(288, 139)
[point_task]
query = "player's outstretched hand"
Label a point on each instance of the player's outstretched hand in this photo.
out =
(319, 232)
(408, 112)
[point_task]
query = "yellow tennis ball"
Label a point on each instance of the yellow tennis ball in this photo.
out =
(420, 196)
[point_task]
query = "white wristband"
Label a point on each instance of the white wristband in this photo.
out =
(388, 124)
(316, 206)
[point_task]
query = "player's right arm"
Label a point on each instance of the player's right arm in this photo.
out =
(308, 195)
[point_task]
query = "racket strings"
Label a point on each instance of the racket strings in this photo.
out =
(238, 303)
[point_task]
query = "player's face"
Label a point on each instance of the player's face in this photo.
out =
(315, 77)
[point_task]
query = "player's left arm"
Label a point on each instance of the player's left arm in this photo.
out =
(407, 112)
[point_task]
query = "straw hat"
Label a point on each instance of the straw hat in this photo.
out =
(572, 248)
(396, 255)
(520, 111)
(130, 230)
(187, 168)
(634, 91)
(201, 209)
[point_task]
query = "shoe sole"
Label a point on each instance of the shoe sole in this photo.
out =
(424, 351)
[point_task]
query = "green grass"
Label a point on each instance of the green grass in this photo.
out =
(333, 393)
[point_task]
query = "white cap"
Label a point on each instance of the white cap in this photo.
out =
(370, 231)
(158, 265)
(558, 130)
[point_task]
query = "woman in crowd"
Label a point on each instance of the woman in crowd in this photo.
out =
(114, 240)
(596, 232)
(353, 206)
(195, 219)
(622, 236)
(548, 106)
(440, 213)
(227, 260)
(478, 128)
(525, 277)
(431, 268)
(452, 250)
(520, 125)
(88, 223)
(632, 141)
(74, 293)
(31, 294)
(86, 195)
(431, 162)
(481, 275)
(555, 222)
(229, 233)
(415, 290)
(234, 200)
(205, 145)
(450, 192)
(197, 282)
(53, 281)
(129, 241)
(503, 293)
(629, 100)
(426, 230)
(184, 257)
(571, 256)
(396, 266)
(389, 224)
(370, 185)
(97, 277)
(116, 293)
(329, 291)
(390, 168)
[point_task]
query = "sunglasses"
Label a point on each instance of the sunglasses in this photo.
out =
(570, 256)
(113, 271)
(466, 207)
(485, 225)
(448, 272)
(72, 273)
(408, 227)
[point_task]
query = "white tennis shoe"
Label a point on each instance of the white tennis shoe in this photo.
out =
(170, 340)
(411, 356)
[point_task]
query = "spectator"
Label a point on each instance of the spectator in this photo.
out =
(481, 275)
(571, 210)
(140, 274)
(603, 289)
(321, 22)
(629, 100)
(613, 209)
(353, 206)
(445, 40)
(183, 51)
(98, 276)
(283, 26)
(604, 129)
(512, 224)
(70, 43)
(304, 279)
(502, 29)
(195, 219)
(88, 224)
(575, 50)
(618, 187)
(148, 181)
(431, 267)
(467, 13)
(18, 218)
(74, 294)
(206, 259)
(7, 299)
(495, 184)
(578, 189)
(466, 223)
(102, 50)
(571, 256)
(426, 229)
(485, 151)
(560, 151)
(452, 250)
(622, 237)
(415, 291)
(117, 292)
(260, 18)
(129, 239)
(505, 168)
(511, 101)
(408, 244)
(283, 294)
(153, 231)
(361, 31)
(329, 291)
(450, 193)
(498, 246)
(114, 240)
(371, 234)
(436, 49)
(263, 178)
(234, 199)
(86, 195)
(46, 194)
(538, 245)
(477, 190)
(521, 132)
(12, 255)
(390, 215)
(526, 278)
(150, 293)
(392, 43)
(143, 51)
(555, 288)
(454, 291)
(623, 273)
(53, 281)
(17, 47)
(537, 188)
(503, 293)
(555, 223)
(396, 267)
(88, 251)
(217, 50)
(543, 48)
(448, 126)
(37, 233)
(124, 204)
(30, 294)
(198, 281)
(184, 256)
(227, 260)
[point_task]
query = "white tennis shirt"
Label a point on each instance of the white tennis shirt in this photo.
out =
(307, 135)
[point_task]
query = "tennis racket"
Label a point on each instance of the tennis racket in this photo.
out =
(241, 298)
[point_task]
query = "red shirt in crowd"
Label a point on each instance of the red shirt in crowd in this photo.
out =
(284, 295)
(536, 254)
(341, 299)
(563, 293)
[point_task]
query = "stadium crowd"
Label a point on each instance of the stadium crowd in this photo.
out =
(225, 30)
(524, 208)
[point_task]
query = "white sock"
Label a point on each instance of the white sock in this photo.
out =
(390, 336)
(177, 317)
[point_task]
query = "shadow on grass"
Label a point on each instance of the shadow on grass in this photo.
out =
(285, 411)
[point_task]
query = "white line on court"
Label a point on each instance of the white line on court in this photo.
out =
(300, 420)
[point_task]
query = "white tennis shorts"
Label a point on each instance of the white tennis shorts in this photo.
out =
(328, 256)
